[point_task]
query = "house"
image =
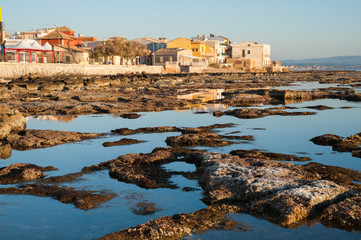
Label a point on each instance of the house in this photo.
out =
(74, 56)
(202, 50)
(260, 52)
(64, 36)
(176, 59)
(184, 43)
(218, 43)
(152, 44)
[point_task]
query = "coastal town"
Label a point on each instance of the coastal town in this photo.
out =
(197, 136)
(195, 54)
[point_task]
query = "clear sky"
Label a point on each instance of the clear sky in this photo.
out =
(295, 29)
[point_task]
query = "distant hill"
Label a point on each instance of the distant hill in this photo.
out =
(340, 61)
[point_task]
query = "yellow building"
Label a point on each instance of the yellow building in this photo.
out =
(200, 49)
(180, 42)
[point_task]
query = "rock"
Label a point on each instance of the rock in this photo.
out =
(247, 113)
(21, 172)
(130, 115)
(127, 131)
(339, 144)
(144, 170)
(281, 192)
(356, 153)
(267, 156)
(5, 151)
(198, 139)
(10, 121)
(178, 226)
(32, 139)
(326, 139)
(123, 141)
(80, 198)
(320, 107)
(346, 214)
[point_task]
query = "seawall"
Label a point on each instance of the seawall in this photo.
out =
(17, 70)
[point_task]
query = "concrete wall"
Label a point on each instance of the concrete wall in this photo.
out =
(16, 70)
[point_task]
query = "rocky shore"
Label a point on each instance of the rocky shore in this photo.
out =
(285, 189)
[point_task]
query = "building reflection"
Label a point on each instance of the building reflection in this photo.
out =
(55, 118)
(205, 96)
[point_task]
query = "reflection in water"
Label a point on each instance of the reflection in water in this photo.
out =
(205, 96)
(56, 118)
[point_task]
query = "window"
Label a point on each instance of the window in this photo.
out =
(67, 59)
(160, 59)
(249, 51)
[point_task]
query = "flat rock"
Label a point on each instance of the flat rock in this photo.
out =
(178, 226)
(162, 129)
(32, 139)
(80, 198)
(248, 113)
(281, 192)
(123, 141)
(267, 156)
(22, 172)
(130, 115)
(198, 139)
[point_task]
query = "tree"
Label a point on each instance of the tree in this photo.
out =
(121, 47)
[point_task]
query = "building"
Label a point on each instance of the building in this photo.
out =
(64, 36)
(73, 56)
(202, 50)
(177, 59)
(152, 44)
(184, 43)
(218, 43)
(260, 52)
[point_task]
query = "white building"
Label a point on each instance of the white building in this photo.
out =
(259, 52)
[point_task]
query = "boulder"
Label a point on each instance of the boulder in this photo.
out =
(10, 121)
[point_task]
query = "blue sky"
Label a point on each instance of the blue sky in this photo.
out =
(295, 29)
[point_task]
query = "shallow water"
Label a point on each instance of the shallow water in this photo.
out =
(45, 218)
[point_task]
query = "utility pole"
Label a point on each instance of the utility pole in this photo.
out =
(2, 42)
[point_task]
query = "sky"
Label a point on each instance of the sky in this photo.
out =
(295, 29)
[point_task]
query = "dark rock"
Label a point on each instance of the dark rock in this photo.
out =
(22, 172)
(123, 141)
(31, 139)
(254, 153)
(339, 144)
(247, 113)
(144, 170)
(346, 214)
(80, 198)
(356, 153)
(130, 115)
(127, 131)
(178, 226)
(326, 139)
(320, 107)
(198, 139)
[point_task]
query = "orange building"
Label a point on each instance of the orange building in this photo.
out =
(63, 36)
